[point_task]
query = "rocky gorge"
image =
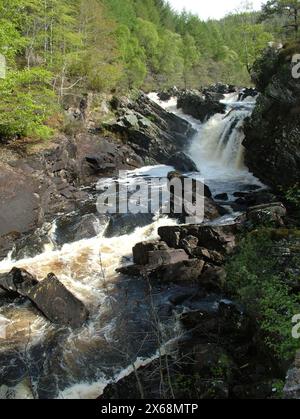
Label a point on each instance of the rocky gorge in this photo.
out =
(202, 337)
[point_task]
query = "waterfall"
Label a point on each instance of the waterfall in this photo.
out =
(220, 139)
(217, 146)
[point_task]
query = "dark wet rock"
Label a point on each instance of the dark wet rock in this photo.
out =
(182, 162)
(18, 281)
(32, 243)
(121, 224)
(177, 174)
(57, 303)
(74, 227)
(255, 198)
(141, 251)
(167, 257)
(188, 270)
(194, 104)
(220, 88)
(222, 197)
(49, 296)
(217, 238)
(268, 214)
(19, 203)
(213, 279)
(182, 208)
(226, 319)
(272, 133)
(152, 132)
(35, 188)
(247, 92)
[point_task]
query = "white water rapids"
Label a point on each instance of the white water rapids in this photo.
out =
(78, 364)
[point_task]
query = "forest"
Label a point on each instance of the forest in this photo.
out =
(55, 47)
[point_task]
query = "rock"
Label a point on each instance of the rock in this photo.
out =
(75, 227)
(292, 384)
(18, 281)
(188, 270)
(222, 197)
(49, 296)
(176, 174)
(272, 134)
(152, 132)
(141, 251)
(58, 304)
(189, 244)
(122, 224)
(247, 92)
(193, 103)
(268, 214)
(213, 279)
(210, 256)
(220, 88)
(155, 253)
(182, 162)
(224, 319)
(254, 198)
(216, 238)
(182, 209)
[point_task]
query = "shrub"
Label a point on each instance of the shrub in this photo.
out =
(27, 100)
(254, 278)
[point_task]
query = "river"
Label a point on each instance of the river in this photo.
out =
(41, 360)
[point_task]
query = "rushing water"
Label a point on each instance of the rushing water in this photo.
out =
(38, 359)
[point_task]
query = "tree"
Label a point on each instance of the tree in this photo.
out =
(191, 57)
(289, 10)
(27, 100)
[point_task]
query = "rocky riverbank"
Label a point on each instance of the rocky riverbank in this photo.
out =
(273, 132)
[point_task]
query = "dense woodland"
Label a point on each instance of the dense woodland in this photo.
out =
(53, 47)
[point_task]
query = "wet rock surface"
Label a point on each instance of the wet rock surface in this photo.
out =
(153, 133)
(202, 108)
(49, 296)
(272, 133)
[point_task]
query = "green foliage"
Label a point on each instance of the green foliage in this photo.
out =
(293, 195)
(254, 278)
(285, 13)
(109, 45)
(27, 102)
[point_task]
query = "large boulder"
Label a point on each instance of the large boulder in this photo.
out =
(182, 209)
(182, 162)
(152, 132)
(57, 303)
(49, 296)
(202, 108)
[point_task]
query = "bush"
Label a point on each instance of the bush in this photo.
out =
(254, 278)
(293, 195)
(27, 100)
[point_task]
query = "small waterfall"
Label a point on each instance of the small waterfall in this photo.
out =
(220, 139)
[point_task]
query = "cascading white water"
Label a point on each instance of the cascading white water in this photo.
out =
(217, 146)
